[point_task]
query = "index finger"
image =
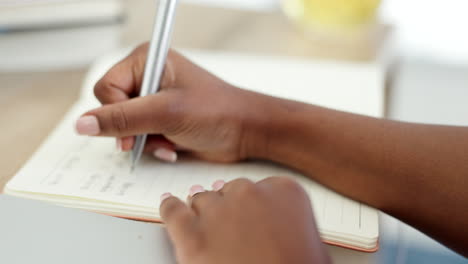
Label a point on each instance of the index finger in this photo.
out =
(123, 80)
(178, 217)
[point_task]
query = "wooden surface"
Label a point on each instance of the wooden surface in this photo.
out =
(31, 105)
(267, 33)
(33, 102)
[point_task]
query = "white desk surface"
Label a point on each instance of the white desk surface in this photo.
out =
(37, 232)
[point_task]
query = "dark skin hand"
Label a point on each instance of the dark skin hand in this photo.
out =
(238, 223)
(417, 173)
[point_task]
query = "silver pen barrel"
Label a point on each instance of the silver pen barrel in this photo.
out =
(154, 67)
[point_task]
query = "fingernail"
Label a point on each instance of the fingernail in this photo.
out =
(127, 144)
(119, 145)
(196, 189)
(87, 125)
(164, 196)
(218, 185)
(165, 154)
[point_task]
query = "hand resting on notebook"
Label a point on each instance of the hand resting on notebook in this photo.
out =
(239, 223)
(414, 172)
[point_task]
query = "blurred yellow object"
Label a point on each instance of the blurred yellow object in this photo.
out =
(331, 15)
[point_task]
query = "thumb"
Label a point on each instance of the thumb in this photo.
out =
(141, 115)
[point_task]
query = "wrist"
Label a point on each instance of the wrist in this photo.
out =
(269, 127)
(254, 140)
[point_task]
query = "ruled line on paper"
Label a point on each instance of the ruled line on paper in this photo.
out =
(360, 211)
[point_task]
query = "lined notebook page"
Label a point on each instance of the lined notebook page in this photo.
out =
(90, 170)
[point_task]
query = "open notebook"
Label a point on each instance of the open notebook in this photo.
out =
(87, 173)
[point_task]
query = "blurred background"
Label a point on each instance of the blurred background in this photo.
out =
(46, 47)
(429, 29)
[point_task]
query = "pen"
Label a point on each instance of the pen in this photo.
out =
(158, 49)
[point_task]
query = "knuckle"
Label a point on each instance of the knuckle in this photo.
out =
(138, 62)
(140, 53)
(169, 76)
(173, 209)
(119, 119)
(287, 184)
(141, 48)
(174, 113)
(207, 202)
(169, 205)
(99, 88)
(180, 216)
(103, 90)
(171, 55)
(246, 188)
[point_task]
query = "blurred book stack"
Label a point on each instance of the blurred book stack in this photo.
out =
(57, 34)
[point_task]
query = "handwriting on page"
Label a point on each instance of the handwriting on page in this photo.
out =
(92, 169)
